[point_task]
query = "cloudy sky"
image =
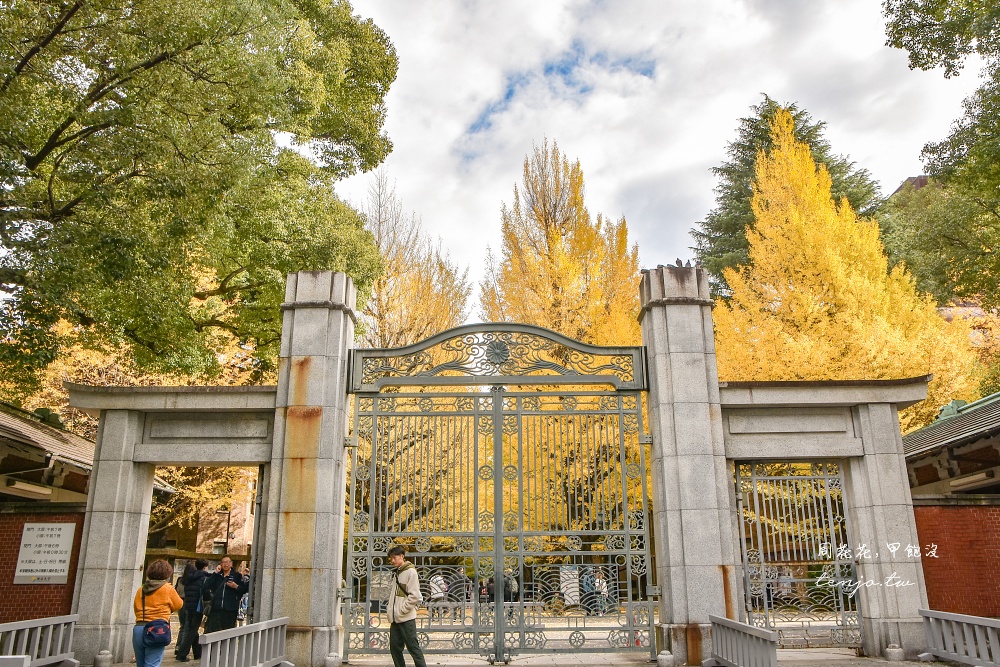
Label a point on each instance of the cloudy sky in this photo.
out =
(646, 93)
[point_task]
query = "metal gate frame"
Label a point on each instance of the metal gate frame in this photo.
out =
(799, 570)
(409, 394)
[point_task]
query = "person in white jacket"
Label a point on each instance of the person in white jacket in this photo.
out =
(402, 610)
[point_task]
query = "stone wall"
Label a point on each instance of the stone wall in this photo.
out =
(965, 576)
(23, 602)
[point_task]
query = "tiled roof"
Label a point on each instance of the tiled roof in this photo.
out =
(25, 428)
(973, 422)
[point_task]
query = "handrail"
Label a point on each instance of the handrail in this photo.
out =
(973, 640)
(255, 645)
(737, 644)
(46, 641)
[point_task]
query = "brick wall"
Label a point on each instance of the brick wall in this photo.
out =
(23, 602)
(965, 577)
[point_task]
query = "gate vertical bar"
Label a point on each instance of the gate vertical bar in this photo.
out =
(498, 521)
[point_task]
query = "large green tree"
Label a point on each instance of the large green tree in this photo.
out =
(958, 217)
(720, 239)
(943, 33)
(945, 240)
(149, 190)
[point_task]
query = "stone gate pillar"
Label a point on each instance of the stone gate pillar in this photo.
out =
(691, 481)
(880, 513)
(114, 539)
(304, 521)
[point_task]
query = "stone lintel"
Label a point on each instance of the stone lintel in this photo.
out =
(902, 393)
(208, 453)
(93, 400)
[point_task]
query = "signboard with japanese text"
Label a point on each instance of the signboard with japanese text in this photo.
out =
(46, 549)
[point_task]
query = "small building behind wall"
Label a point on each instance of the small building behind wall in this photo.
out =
(44, 472)
(954, 469)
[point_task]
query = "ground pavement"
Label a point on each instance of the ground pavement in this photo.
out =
(830, 657)
(788, 658)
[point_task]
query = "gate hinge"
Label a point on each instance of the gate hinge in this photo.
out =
(652, 591)
(350, 442)
(342, 593)
(646, 439)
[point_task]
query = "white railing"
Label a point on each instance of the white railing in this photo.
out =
(740, 645)
(45, 641)
(974, 640)
(255, 645)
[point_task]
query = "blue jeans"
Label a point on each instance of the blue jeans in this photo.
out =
(145, 656)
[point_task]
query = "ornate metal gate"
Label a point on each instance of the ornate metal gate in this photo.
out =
(799, 570)
(525, 509)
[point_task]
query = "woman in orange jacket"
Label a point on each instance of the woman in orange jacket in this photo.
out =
(155, 599)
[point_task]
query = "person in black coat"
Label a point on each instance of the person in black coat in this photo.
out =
(191, 611)
(225, 587)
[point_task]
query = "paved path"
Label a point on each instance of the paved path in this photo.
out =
(790, 658)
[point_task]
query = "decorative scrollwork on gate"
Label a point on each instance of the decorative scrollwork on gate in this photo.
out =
(498, 351)
(791, 541)
(464, 481)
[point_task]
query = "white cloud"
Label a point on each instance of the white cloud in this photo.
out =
(646, 93)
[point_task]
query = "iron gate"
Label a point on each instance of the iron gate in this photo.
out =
(799, 570)
(524, 509)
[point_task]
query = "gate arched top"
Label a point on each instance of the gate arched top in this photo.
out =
(498, 353)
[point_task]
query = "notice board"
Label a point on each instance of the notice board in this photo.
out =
(45, 553)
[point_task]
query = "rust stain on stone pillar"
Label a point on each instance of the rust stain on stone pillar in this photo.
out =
(300, 380)
(296, 540)
(727, 592)
(693, 644)
(302, 429)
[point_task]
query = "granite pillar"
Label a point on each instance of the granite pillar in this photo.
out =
(304, 520)
(880, 514)
(114, 540)
(691, 480)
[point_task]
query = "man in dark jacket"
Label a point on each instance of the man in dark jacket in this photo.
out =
(188, 639)
(225, 587)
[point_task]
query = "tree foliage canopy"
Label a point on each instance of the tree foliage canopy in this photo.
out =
(946, 241)
(959, 219)
(421, 291)
(943, 32)
(818, 302)
(560, 268)
(144, 196)
(720, 239)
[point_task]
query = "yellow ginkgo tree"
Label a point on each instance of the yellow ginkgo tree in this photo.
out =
(818, 301)
(560, 268)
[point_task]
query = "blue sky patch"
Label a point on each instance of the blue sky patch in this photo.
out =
(563, 73)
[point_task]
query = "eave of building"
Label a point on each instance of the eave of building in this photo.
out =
(973, 422)
(23, 433)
